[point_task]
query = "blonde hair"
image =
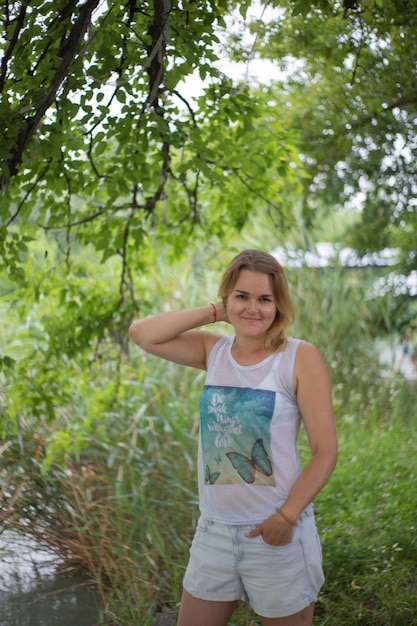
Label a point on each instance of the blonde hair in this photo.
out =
(259, 261)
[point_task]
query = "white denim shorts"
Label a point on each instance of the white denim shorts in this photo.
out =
(277, 581)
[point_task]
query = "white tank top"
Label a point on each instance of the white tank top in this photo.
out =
(249, 423)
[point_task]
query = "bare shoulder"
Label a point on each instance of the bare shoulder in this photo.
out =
(210, 340)
(204, 338)
(309, 363)
(308, 352)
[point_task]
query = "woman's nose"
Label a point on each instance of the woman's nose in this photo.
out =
(252, 304)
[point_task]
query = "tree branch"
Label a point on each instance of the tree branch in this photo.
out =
(69, 51)
(159, 31)
(9, 51)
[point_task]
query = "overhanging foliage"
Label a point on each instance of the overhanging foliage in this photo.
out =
(351, 90)
(101, 142)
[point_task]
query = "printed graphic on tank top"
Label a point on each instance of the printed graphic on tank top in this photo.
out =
(236, 435)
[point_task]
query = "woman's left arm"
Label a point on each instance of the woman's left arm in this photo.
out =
(314, 397)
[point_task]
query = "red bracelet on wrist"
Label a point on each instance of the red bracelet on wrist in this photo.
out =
(214, 313)
(286, 518)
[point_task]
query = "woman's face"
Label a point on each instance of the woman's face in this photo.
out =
(251, 307)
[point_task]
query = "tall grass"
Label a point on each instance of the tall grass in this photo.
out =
(367, 515)
(121, 507)
(110, 483)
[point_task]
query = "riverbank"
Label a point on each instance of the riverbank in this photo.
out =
(35, 590)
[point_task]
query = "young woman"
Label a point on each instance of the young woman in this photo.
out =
(256, 538)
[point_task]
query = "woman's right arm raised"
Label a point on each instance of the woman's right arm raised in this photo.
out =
(171, 335)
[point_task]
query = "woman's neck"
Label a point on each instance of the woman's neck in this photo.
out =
(249, 353)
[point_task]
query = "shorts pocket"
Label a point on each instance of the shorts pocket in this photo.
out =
(281, 548)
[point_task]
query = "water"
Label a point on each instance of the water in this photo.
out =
(35, 591)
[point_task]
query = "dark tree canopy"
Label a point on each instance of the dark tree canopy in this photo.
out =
(102, 143)
(352, 95)
(100, 140)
